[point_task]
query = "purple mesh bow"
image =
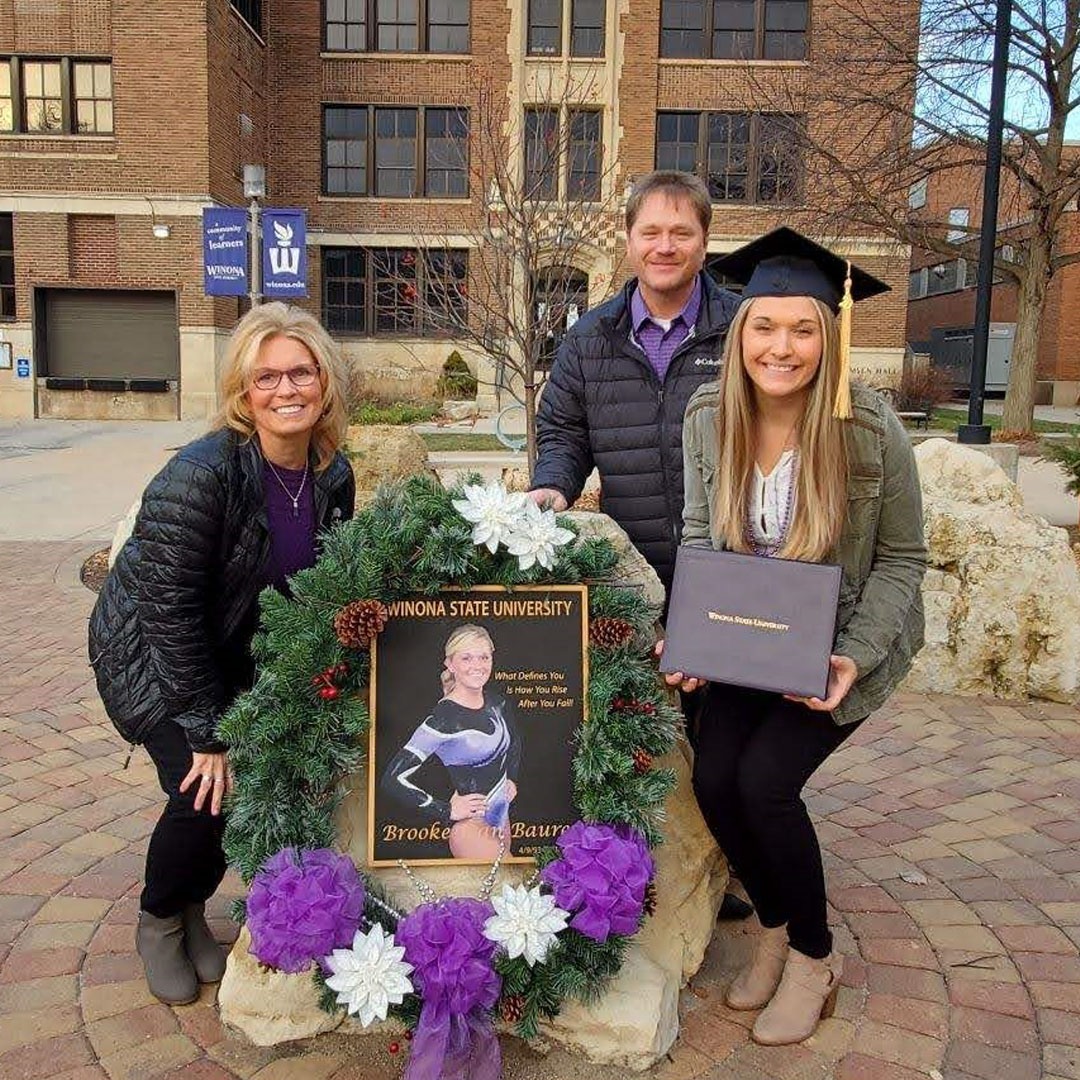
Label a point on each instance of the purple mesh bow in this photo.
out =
(303, 904)
(453, 973)
(601, 876)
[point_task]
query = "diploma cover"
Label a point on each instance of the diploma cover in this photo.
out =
(765, 623)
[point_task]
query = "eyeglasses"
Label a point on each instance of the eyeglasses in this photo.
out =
(298, 376)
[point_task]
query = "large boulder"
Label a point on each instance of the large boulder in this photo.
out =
(635, 1021)
(1002, 593)
(382, 452)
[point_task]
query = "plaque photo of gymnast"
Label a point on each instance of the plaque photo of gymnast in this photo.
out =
(476, 695)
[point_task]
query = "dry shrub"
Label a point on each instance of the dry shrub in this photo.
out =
(923, 388)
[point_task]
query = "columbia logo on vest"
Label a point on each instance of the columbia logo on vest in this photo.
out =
(707, 361)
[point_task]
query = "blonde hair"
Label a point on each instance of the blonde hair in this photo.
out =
(265, 321)
(821, 480)
(457, 640)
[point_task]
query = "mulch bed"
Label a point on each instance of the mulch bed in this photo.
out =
(95, 570)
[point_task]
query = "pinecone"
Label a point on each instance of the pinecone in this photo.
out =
(608, 633)
(648, 905)
(357, 623)
(642, 761)
(512, 1008)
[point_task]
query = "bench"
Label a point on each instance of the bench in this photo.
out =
(921, 419)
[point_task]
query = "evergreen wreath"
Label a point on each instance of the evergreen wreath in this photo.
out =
(289, 746)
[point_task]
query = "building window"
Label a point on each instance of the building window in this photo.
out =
(438, 26)
(946, 277)
(394, 291)
(7, 267)
(346, 25)
(7, 99)
(251, 12)
(585, 152)
(43, 100)
(541, 153)
(734, 29)
(93, 98)
(446, 134)
(917, 194)
(560, 296)
(743, 157)
(545, 27)
(917, 284)
(958, 222)
(346, 141)
(587, 27)
(413, 152)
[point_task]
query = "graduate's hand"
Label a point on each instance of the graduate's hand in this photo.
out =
(511, 791)
(686, 683)
(842, 676)
(214, 777)
(549, 498)
(465, 807)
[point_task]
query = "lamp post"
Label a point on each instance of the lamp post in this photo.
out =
(255, 189)
(975, 431)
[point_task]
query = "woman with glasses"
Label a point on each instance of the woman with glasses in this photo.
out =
(231, 513)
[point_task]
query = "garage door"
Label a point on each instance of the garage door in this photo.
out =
(99, 334)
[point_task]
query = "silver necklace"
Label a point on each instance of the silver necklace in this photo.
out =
(769, 549)
(294, 499)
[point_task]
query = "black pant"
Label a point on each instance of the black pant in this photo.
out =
(754, 753)
(184, 862)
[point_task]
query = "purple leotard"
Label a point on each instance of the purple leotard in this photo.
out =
(481, 749)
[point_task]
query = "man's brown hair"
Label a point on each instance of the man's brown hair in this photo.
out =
(675, 185)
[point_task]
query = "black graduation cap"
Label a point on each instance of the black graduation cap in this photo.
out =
(786, 263)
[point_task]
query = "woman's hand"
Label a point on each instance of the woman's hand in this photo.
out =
(686, 683)
(215, 779)
(511, 791)
(842, 676)
(465, 807)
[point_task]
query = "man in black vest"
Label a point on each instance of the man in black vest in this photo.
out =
(625, 372)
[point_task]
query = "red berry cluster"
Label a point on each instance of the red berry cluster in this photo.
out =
(325, 681)
(622, 704)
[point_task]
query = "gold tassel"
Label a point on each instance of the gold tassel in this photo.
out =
(842, 406)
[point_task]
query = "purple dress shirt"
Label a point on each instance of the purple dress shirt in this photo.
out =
(658, 344)
(292, 537)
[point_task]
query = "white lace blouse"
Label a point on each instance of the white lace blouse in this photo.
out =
(769, 497)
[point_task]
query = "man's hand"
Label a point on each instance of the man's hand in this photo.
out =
(842, 676)
(547, 498)
(686, 683)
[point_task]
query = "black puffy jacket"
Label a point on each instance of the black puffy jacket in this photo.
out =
(605, 406)
(171, 631)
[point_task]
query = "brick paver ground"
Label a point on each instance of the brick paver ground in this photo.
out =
(950, 827)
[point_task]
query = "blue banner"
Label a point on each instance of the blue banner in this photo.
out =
(225, 251)
(284, 261)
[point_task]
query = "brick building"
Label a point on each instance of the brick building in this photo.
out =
(120, 121)
(941, 290)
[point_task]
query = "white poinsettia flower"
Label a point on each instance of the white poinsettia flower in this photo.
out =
(371, 976)
(493, 512)
(525, 922)
(535, 537)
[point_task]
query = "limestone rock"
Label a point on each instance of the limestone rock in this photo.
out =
(459, 410)
(1002, 594)
(381, 452)
(270, 1007)
(633, 1025)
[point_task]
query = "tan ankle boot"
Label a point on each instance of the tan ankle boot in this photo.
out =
(755, 985)
(806, 994)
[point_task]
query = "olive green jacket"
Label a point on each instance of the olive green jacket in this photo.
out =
(882, 550)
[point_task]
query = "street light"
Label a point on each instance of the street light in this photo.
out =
(975, 431)
(254, 189)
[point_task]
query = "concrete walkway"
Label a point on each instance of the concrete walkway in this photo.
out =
(949, 827)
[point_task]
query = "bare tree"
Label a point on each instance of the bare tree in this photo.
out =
(887, 107)
(540, 236)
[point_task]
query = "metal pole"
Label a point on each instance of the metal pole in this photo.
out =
(255, 280)
(975, 431)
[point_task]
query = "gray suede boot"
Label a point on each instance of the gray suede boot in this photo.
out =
(203, 951)
(169, 974)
